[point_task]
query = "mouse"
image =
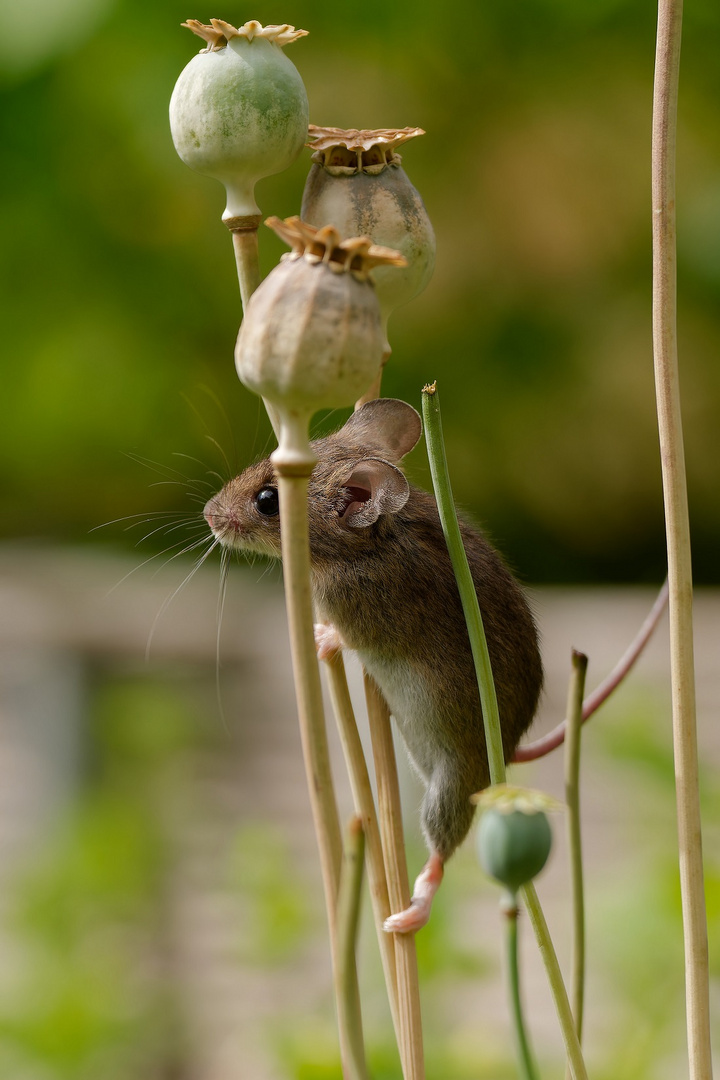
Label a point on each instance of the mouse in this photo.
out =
(383, 586)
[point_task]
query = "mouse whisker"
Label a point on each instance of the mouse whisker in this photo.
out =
(225, 554)
(269, 567)
(209, 472)
(168, 527)
(224, 571)
(157, 555)
(170, 474)
(214, 442)
(141, 518)
(226, 420)
(134, 570)
(185, 484)
(213, 543)
(185, 549)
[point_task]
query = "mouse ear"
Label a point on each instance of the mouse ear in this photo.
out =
(374, 487)
(387, 422)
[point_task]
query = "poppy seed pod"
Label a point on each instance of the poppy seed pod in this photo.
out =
(514, 836)
(312, 335)
(357, 184)
(239, 110)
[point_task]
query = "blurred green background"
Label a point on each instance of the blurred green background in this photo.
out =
(120, 302)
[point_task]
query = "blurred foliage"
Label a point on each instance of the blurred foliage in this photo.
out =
(119, 291)
(275, 920)
(95, 979)
(92, 993)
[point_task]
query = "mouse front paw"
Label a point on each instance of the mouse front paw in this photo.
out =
(328, 642)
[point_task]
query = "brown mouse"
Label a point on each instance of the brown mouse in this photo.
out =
(383, 585)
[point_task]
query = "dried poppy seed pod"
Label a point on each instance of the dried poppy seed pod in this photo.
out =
(239, 110)
(357, 184)
(312, 335)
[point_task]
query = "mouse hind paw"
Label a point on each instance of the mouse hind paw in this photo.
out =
(409, 921)
(414, 917)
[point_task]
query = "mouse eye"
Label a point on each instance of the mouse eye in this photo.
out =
(266, 502)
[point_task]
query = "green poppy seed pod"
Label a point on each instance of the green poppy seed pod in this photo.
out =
(357, 184)
(312, 335)
(514, 836)
(239, 110)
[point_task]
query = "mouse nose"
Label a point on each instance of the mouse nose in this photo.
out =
(209, 510)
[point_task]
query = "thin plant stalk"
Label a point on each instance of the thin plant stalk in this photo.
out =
(468, 596)
(488, 700)
(407, 1019)
(528, 1070)
(348, 914)
(365, 809)
(667, 387)
(555, 979)
(247, 260)
(574, 835)
(296, 575)
(293, 491)
(391, 831)
(373, 390)
(553, 739)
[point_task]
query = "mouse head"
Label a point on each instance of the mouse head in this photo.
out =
(355, 483)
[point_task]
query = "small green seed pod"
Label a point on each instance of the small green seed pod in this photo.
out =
(357, 184)
(239, 110)
(514, 836)
(312, 336)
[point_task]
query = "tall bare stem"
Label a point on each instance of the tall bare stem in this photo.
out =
(293, 488)
(348, 915)
(406, 1016)
(244, 232)
(391, 830)
(574, 835)
(365, 809)
(667, 387)
(373, 390)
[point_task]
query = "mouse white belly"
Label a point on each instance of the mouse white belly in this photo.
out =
(410, 704)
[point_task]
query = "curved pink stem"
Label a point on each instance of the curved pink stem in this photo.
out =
(593, 701)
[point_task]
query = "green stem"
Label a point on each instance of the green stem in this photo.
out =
(672, 456)
(488, 700)
(572, 798)
(528, 1070)
(557, 986)
(468, 596)
(348, 913)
